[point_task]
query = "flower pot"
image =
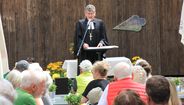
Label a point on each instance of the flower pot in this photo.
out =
(52, 94)
(178, 88)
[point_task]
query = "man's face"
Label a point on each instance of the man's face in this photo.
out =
(90, 15)
(39, 90)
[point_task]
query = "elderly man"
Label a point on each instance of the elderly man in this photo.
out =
(31, 87)
(123, 81)
(158, 90)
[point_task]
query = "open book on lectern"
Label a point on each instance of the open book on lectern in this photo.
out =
(102, 48)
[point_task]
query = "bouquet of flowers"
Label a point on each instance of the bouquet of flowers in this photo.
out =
(56, 70)
(134, 59)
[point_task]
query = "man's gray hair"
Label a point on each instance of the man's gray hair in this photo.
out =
(90, 8)
(122, 70)
(30, 77)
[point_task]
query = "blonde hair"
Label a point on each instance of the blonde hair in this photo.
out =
(102, 67)
(173, 100)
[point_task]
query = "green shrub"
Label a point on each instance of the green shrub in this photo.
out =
(52, 87)
(73, 99)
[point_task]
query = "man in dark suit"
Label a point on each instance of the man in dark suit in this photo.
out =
(95, 35)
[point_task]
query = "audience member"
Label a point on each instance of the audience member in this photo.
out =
(46, 98)
(123, 81)
(21, 65)
(147, 67)
(85, 76)
(158, 90)
(139, 74)
(31, 87)
(128, 97)
(99, 71)
(7, 90)
(174, 99)
(15, 78)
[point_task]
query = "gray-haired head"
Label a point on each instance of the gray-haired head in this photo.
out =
(139, 74)
(147, 67)
(14, 77)
(115, 60)
(90, 8)
(122, 70)
(21, 65)
(85, 65)
(7, 90)
(32, 78)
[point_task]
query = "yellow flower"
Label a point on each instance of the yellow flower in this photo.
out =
(135, 58)
(56, 68)
(56, 75)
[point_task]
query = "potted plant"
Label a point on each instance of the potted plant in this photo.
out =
(52, 90)
(55, 69)
(177, 81)
(73, 99)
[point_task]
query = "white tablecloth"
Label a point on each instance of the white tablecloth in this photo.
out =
(71, 65)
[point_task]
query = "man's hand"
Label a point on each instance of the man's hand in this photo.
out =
(85, 45)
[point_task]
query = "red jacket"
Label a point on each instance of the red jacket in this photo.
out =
(123, 84)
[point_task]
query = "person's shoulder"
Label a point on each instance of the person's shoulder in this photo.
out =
(98, 21)
(81, 20)
(93, 82)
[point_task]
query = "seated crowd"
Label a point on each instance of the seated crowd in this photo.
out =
(28, 84)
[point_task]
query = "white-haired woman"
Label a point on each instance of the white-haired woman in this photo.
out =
(139, 74)
(15, 78)
(85, 76)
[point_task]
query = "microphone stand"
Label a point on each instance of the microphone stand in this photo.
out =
(80, 47)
